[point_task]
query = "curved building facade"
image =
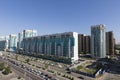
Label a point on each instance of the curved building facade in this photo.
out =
(98, 41)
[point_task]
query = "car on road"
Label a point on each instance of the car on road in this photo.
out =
(81, 77)
(69, 72)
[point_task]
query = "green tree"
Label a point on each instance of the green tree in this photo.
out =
(7, 70)
(2, 66)
(27, 60)
(16, 56)
(72, 78)
(46, 66)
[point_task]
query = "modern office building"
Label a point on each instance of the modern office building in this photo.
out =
(29, 33)
(98, 41)
(20, 39)
(4, 45)
(84, 43)
(60, 45)
(12, 42)
(110, 43)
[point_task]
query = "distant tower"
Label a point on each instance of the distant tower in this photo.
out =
(20, 38)
(98, 41)
(110, 43)
(81, 43)
(84, 43)
(12, 42)
(87, 43)
(29, 33)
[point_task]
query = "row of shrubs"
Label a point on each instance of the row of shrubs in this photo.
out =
(50, 57)
(50, 71)
(69, 77)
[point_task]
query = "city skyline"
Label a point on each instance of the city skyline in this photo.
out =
(49, 17)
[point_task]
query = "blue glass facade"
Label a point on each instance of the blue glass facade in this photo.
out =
(29, 33)
(20, 38)
(98, 41)
(4, 38)
(13, 42)
(4, 45)
(64, 45)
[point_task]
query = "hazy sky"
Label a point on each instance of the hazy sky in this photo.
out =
(52, 16)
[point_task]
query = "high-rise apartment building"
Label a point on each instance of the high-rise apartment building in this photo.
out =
(81, 43)
(98, 41)
(60, 45)
(4, 42)
(12, 42)
(4, 38)
(20, 39)
(4, 45)
(110, 43)
(25, 34)
(84, 43)
(87, 42)
(29, 33)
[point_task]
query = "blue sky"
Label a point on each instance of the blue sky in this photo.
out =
(53, 16)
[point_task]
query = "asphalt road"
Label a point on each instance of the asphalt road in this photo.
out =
(61, 71)
(46, 72)
(24, 73)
